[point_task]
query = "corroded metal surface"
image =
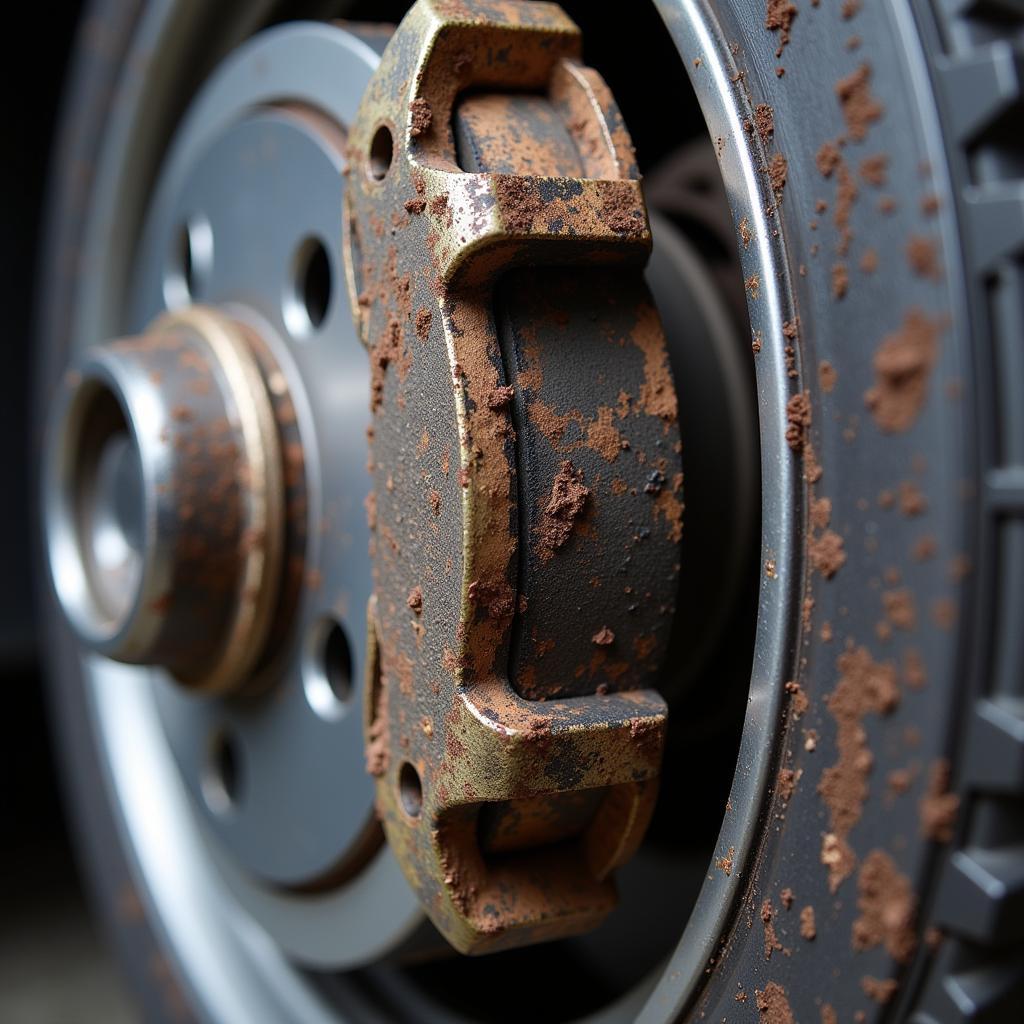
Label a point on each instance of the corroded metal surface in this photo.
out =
(166, 499)
(527, 502)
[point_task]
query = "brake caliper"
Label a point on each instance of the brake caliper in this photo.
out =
(527, 486)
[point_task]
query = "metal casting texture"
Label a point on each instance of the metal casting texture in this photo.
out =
(527, 506)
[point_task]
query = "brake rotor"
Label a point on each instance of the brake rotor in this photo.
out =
(524, 447)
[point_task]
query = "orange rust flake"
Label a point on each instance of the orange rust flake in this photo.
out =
(764, 121)
(827, 553)
(415, 600)
(840, 280)
(657, 393)
(771, 940)
(779, 16)
(923, 257)
(604, 437)
(604, 637)
(808, 928)
(568, 499)
(938, 807)
(888, 908)
(874, 169)
(880, 991)
(800, 702)
(777, 171)
(860, 108)
(773, 1005)
(903, 364)
(421, 116)
(798, 417)
(865, 687)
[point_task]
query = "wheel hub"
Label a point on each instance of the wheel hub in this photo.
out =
(254, 661)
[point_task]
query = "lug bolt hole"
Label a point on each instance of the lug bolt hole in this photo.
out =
(307, 299)
(189, 263)
(410, 790)
(382, 151)
(222, 777)
(328, 669)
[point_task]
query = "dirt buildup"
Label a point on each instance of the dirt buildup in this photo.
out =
(777, 171)
(880, 991)
(828, 159)
(424, 318)
(899, 607)
(568, 499)
(619, 212)
(422, 116)
(764, 121)
(415, 600)
(827, 377)
(874, 170)
(500, 397)
(778, 17)
(860, 108)
(887, 908)
(387, 350)
(786, 783)
(869, 261)
(838, 857)
(497, 599)
(840, 280)
(912, 502)
(923, 257)
(519, 203)
(604, 637)
(799, 701)
(903, 364)
(771, 940)
(827, 553)
(772, 1004)
(798, 418)
(938, 808)
(808, 928)
(865, 687)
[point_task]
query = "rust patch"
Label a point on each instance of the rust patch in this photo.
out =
(903, 364)
(771, 940)
(859, 106)
(773, 1005)
(865, 687)
(421, 117)
(568, 499)
(779, 16)
(939, 807)
(887, 907)
(808, 928)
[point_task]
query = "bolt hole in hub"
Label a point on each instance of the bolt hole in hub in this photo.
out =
(245, 757)
(308, 298)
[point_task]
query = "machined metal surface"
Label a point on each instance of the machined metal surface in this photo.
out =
(524, 443)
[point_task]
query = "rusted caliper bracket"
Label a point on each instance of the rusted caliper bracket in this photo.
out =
(526, 501)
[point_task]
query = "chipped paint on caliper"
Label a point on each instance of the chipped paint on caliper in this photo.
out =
(526, 505)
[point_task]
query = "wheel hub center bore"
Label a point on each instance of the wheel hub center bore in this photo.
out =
(165, 500)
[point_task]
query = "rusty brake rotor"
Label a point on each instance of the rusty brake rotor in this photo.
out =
(526, 463)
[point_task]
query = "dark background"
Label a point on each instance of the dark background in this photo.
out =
(54, 967)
